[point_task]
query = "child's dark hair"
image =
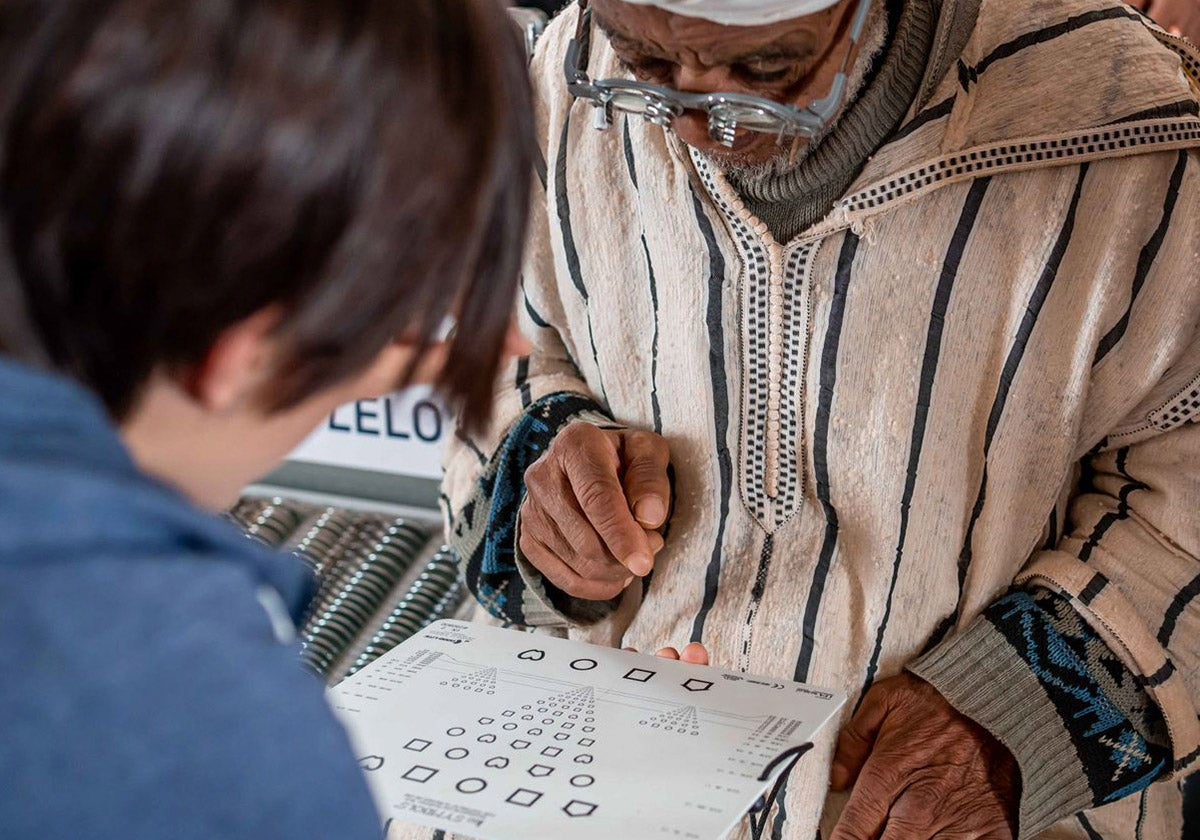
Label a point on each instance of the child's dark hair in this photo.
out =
(170, 167)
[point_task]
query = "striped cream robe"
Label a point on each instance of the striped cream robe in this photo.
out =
(981, 369)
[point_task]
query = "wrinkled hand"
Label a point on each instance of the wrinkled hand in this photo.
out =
(593, 506)
(920, 770)
(1180, 17)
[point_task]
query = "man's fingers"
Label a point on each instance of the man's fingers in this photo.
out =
(563, 528)
(695, 654)
(603, 501)
(645, 457)
(563, 577)
(657, 543)
(917, 812)
(668, 653)
(856, 740)
(867, 811)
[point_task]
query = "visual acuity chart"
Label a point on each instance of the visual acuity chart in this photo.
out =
(504, 735)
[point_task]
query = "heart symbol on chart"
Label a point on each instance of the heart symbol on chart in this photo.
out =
(532, 655)
(371, 762)
(498, 763)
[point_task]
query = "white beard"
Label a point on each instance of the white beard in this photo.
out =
(789, 159)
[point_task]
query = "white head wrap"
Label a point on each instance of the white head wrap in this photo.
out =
(741, 12)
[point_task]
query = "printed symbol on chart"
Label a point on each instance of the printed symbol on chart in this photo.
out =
(583, 758)
(478, 682)
(540, 770)
(486, 721)
(420, 774)
(639, 675)
(584, 665)
(576, 808)
(582, 780)
(371, 762)
(457, 754)
(559, 714)
(524, 797)
(486, 738)
(520, 745)
(418, 745)
(497, 763)
(586, 742)
(682, 720)
(471, 786)
(552, 752)
(697, 685)
(532, 655)
(456, 731)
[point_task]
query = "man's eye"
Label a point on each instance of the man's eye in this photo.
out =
(649, 69)
(767, 71)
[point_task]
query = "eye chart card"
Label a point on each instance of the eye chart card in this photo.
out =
(503, 735)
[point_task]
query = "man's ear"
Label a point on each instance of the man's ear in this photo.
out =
(237, 365)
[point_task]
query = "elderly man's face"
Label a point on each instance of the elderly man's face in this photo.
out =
(792, 62)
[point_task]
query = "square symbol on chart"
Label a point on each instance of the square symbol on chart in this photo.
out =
(509, 713)
(639, 675)
(418, 745)
(552, 752)
(568, 725)
(420, 774)
(524, 797)
(586, 742)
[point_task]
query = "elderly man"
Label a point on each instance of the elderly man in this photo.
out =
(868, 354)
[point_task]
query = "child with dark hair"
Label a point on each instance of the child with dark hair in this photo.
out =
(219, 219)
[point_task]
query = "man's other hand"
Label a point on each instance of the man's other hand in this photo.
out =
(593, 507)
(1181, 17)
(920, 770)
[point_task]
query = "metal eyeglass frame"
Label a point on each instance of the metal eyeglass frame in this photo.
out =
(727, 112)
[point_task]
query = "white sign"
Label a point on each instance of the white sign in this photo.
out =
(504, 735)
(400, 434)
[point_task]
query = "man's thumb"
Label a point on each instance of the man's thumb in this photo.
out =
(645, 458)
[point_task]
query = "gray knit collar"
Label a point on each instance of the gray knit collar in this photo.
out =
(791, 202)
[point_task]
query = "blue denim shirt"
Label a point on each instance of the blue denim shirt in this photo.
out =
(144, 692)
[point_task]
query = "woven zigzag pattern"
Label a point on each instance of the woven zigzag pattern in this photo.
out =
(1117, 730)
(491, 569)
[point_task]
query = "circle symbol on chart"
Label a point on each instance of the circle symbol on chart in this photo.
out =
(457, 754)
(582, 780)
(532, 655)
(584, 665)
(471, 786)
(456, 731)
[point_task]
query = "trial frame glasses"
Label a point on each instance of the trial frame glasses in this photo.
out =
(727, 112)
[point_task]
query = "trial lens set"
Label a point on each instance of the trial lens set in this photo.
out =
(380, 578)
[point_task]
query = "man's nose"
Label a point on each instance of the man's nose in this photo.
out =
(692, 126)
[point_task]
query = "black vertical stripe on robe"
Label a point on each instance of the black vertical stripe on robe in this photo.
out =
(929, 372)
(720, 395)
(1012, 364)
(563, 206)
(829, 365)
(1146, 259)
